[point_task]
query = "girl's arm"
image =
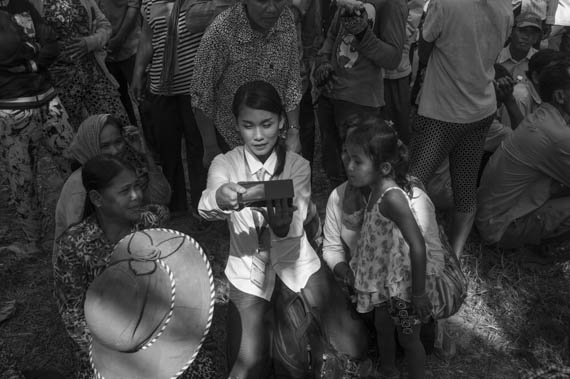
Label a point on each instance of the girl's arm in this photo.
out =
(333, 249)
(395, 206)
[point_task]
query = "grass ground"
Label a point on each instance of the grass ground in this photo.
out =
(514, 319)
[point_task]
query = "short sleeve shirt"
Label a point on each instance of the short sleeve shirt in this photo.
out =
(231, 53)
(468, 36)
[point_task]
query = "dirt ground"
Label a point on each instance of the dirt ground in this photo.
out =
(515, 319)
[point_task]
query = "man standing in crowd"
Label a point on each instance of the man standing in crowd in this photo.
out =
(524, 197)
(252, 40)
(169, 47)
(125, 19)
(361, 41)
(31, 114)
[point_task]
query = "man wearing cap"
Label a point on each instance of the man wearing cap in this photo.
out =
(515, 57)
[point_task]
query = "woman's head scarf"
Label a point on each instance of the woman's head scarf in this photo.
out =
(87, 141)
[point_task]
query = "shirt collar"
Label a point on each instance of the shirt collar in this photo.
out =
(245, 31)
(255, 164)
(505, 55)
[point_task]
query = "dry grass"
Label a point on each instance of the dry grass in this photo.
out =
(514, 318)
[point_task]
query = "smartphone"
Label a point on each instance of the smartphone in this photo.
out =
(258, 193)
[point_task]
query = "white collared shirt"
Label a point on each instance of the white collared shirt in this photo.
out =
(291, 258)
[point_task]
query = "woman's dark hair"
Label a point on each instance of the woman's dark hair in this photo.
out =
(98, 173)
(259, 94)
(553, 77)
(380, 142)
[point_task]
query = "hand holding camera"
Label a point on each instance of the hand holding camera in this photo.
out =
(353, 16)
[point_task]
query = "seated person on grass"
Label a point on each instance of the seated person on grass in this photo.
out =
(524, 197)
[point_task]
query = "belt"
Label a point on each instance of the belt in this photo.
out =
(38, 99)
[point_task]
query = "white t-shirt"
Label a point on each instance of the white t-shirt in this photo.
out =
(468, 36)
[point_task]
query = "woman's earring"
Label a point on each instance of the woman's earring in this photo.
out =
(283, 133)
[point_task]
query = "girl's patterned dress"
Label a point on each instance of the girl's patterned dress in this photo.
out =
(82, 85)
(382, 265)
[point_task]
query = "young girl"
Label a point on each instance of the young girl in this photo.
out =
(389, 265)
(271, 254)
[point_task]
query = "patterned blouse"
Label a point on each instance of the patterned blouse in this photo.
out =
(231, 53)
(80, 255)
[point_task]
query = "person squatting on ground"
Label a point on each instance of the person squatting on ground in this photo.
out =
(102, 134)
(363, 39)
(271, 259)
(457, 102)
(80, 75)
(167, 48)
(31, 113)
(524, 197)
(113, 208)
(391, 271)
(252, 40)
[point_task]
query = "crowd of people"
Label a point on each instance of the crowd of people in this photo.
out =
(112, 93)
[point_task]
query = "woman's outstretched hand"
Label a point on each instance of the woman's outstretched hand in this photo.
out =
(227, 196)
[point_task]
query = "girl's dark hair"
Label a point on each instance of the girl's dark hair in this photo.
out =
(380, 142)
(98, 173)
(259, 94)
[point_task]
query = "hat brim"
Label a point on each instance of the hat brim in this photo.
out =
(524, 24)
(176, 348)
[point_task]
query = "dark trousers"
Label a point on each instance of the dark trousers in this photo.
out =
(250, 320)
(307, 126)
(397, 108)
(123, 73)
(332, 115)
(172, 119)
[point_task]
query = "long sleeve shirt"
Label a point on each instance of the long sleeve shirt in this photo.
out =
(358, 63)
(291, 257)
(28, 46)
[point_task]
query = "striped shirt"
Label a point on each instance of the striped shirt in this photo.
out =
(157, 14)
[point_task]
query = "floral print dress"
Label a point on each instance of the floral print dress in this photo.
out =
(81, 83)
(382, 265)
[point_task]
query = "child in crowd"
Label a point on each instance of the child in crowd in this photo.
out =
(392, 276)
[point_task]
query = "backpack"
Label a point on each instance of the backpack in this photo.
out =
(301, 349)
(201, 13)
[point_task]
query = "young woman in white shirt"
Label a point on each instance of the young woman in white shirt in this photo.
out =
(270, 259)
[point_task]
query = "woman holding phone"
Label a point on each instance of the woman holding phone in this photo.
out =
(271, 260)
